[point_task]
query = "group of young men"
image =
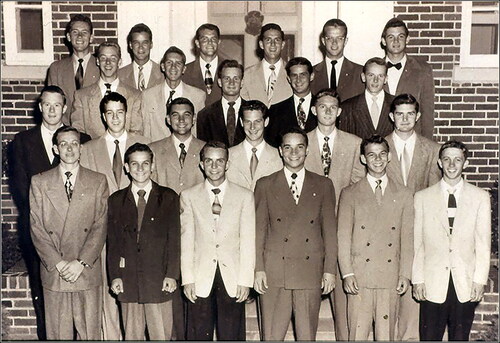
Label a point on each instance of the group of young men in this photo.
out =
(203, 181)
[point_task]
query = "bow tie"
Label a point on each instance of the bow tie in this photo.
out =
(396, 65)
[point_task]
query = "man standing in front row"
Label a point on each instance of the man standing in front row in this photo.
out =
(452, 249)
(296, 242)
(68, 226)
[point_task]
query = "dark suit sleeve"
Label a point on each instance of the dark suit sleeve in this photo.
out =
(84, 138)
(261, 224)
(201, 125)
(427, 103)
(20, 176)
(174, 239)
(345, 121)
(329, 227)
(113, 239)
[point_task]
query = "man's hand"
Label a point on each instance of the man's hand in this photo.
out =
(60, 266)
(477, 292)
(117, 286)
(71, 271)
(190, 292)
(351, 285)
(403, 284)
(260, 283)
(327, 283)
(419, 291)
(242, 293)
(169, 285)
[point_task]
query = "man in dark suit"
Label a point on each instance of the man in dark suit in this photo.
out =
(296, 110)
(219, 121)
(201, 72)
(32, 154)
(296, 242)
(407, 74)
(368, 113)
(78, 70)
(346, 78)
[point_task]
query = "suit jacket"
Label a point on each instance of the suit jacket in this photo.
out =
(86, 115)
(465, 253)
(375, 241)
(228, 241)
(63, 230)
(296, 244)
(94, 156)
(349, 85)
(355, 117)
(193, 76)
(239, 166)
(211, 125)
(424, 170)
(126, 74)
(345, 168)
(168, 172)
(254, 85)
(283, 116)
(61, 73)
(417, 80)
(143, 265)
(154, 109)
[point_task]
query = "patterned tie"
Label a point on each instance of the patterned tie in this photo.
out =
(452, 208)
(254, 161)
(182, 156)
(141, 206)
(141, 84)
(405, 164)
(231, 122)
(117, 163)
(108, 88)
(333, 76)
(326, 157)
(170, 96)
(294, 189)
(378, 192)
(209, 81)
(374, 111)
(301, 115)
(216, 207)
(68, 186)
(79, 74)
(271, 82)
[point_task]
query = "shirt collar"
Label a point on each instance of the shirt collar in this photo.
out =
(45, 130)
(248, 147)
(373, 181)
(277, 65)
(328, 61)
(73, 171)
(399, 141)
(403, 61)
(321, 136)
(445, 187)
(300, 174)
(203, 64)
(145, 66)
(222, 186)
(86, 58)
(379, 96)
(114, 85)
(147, 188)
(225, 103)
(186, 142)
(178, 89)
(121, 139)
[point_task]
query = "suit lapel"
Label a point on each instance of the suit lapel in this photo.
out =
(57, 193)
(440, 208)
(464, 206)
(366, 119)
(338, 164)
(170, 150)
(67, 69)
(395, 164)
(241, 162)
(39, 147)
(261, 82)
(315, 152)
(219, 124)
(103, 163)
(384, 125)
(80, 192)
(283, 194)
(321, 74)
(418, 160)
(205, 206)
(151, 207)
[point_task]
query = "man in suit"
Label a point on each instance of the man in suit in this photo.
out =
(86, 115)
(78, 70)
(266, 81)
(142, 73)
(156, 99)
(219, 121)
(334, 154)
(177, 157)
(253, 158)
(452, 249)
(200, 73)
(336, 71)
(367, 114)
(144, 264)
(296, 110)
(68, 225)
(408, 74)
(296, 248)
(32, 154)
(375, 238)
(217, 250)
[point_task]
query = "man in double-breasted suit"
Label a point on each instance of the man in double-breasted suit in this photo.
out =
(68, 207)
(375, 237)
(296, 242)
(452, 249)
(67, 72)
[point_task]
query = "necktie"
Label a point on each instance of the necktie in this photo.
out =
(326, 157)
(405, 164)
(141, 206)
(209, 81)
(301, 115)
(395, 65)
(68, 186)
(231, 122)
(452, 208)
(141, 83)
(294, 189)
(216, 207)
(271, 83)
(374, 112)
(333, 76)
(169, 100)
(183, 154)
(253, 162)
(117, 163)
(378, 192)
(108, 88)
(79, 74)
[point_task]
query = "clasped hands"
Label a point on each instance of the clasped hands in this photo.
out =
(169, 285)
(351, 285)
(260, 283)
(70, 271)
(242, 293)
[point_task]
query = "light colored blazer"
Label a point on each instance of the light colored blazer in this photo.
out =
(154, 109)
(63, 230)
(229, 241)
(126, 74)
(86, 115)
(168, 172)
(465, 253)
(239, 166)
(94, 156)
(346, 167)
(254, 85)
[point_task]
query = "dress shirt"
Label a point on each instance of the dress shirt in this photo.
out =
(85, 62)
(147, 189)
(111, 147)
(248, 149)
(338, 68)
(393, 75)
(299, 180)
(400, 145)
(213, 68)
(306, 105)
(225, 107)
(47, 141)
(74, 173)
(373, 182)
(380, 101)
(102, 86)
(445, 188)
(211, 195)
(267, 71)
(321, 139)
(179, 90)
(146, 71)
(177, 142)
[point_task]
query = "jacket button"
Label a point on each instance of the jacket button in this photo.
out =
(446, 268)
(389, 260)
(367, 260)
(85, 230)
(50, 232)
(362, 227)
(214, 260)
(283, 258)
(139, 249)
(390, 244)
(217, 245)
(286, 239)
(368, 244)
(62, 254)
(279, 219)
(312, 221)
(393, 228)
(307, 257)
(451, 250)
(386, 316)
(307, 239)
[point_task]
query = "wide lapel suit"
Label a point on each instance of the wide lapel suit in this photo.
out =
(193, 76)
(168, 171)
(126, 75)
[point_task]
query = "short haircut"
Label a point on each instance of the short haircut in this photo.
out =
(53, 89)
(326, 92)
(271, 26)
(375, 60)
(173, 50)
(109, 44)
(454, 144)
(334, 23)
(229, 64)
(253, 105)
(374, 139)
(180, 101)
(394, 22)
(293, 130)
(137, 147)
(138, 28)
(302, 61)
(113, 96)
(207, 26)
(404, 99)
(215, 145)
(63, 129)
(76, 18)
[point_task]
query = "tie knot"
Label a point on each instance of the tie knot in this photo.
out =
(182, 146)
(334, 62)
(216, 191)
(254, 150)
(231, 103)
(68, 174)
(451, 191)
(294, 176)
(272, 67)
(327, 138)
(374, 98)
(301, 100)
(80, 60)
(141, 193)
(117, 142)
(208, 66)
(379, 183)
(108, 85)
(140, 68)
